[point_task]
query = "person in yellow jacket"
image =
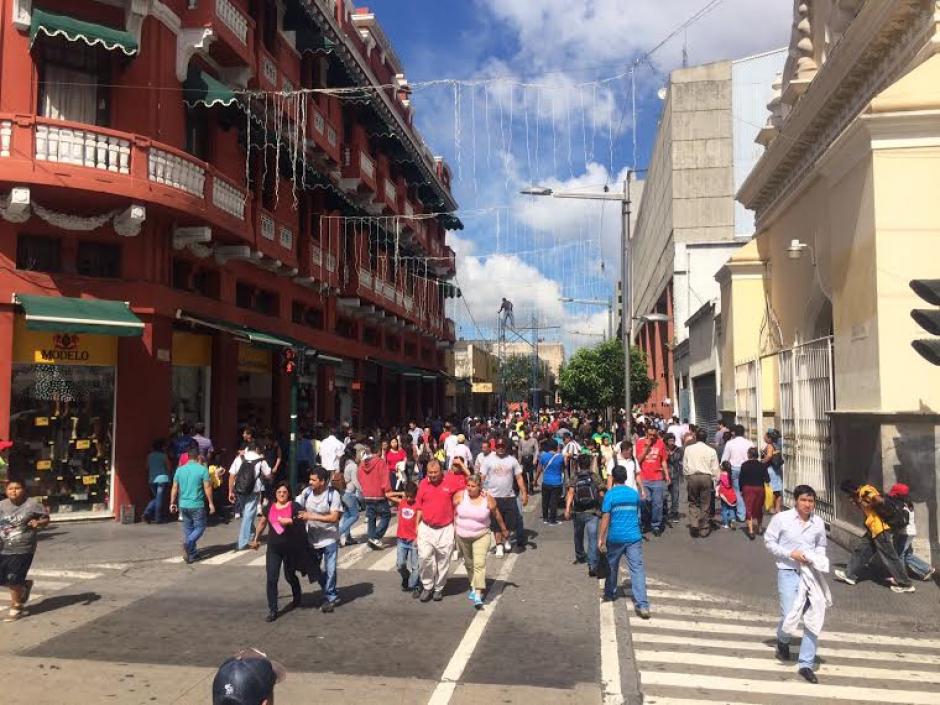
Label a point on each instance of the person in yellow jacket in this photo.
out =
(878, 540)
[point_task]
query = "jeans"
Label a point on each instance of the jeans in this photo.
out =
(325, 559)
(378, 508)
(634, 553)
(788, 585)
(154, 510)
(655, 491)
(736, 483)
(194, 526)
(586, 523)
(729, 513)
(350, 513)
(550, 496)
(916, 567)
(674, 488)
(883, 547)
(407, 563)
(520, 523)
(248, 506)
(273, 561)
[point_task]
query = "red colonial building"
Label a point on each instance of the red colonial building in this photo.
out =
(176, 214)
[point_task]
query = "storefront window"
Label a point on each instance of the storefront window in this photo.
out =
(61, 418)
(190, 385)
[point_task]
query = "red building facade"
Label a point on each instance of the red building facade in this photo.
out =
(655, 339)
(176, 214)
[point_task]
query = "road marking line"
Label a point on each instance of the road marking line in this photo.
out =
(773, 666)
(701, 682)
(222, 558)
(348, 556)
(259, 561)
(658, 700)
(74, 574)
(655, 638)
(109, 566)
(174, 559)
(386, 562)
(720, 627)
(686, 596)
(50, 585)
(32, 598)
(689, 611)
(444, 690)
(611, 692)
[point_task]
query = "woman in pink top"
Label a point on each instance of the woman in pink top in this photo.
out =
(472, 511)
(287, 544)
(393, 456)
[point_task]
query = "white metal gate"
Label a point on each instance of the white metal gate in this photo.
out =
(747, 401)
(806, 397)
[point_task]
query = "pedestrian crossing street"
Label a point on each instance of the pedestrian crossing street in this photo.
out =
(698, 648)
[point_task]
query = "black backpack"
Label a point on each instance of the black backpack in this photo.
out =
(586, 496)
(893, 511)
(247, 474)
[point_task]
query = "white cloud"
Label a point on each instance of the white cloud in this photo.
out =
(555, 34)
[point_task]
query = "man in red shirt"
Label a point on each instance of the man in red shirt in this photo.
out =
(435, 507)
(654, 471)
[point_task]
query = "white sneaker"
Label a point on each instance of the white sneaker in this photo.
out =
(500, 553)
(507, 545)
(842, 577)
(902, 588)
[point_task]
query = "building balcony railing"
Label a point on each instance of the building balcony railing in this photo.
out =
(358, 173)
(323, 132)
(231, 25)
(57, 153)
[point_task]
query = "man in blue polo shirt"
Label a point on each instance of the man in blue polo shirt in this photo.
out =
(619, 534)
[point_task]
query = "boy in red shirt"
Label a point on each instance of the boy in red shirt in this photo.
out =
(407, 559)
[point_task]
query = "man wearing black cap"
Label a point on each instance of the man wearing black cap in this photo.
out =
(248, 678)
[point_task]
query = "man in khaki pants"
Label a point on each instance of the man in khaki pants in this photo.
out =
(700, 469)
(435, 507)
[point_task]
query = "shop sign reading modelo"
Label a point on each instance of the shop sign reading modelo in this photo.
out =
(41, 348)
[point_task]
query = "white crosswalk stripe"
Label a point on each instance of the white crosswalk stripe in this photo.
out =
(49, 581)
(698, 649)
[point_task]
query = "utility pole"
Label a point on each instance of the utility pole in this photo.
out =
(535, 362)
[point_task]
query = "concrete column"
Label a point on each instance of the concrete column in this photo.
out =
(7, 316)
(142, 409)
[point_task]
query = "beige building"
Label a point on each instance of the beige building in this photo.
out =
(689, 224)
(551, 354)
(815, 331)
(476, 371)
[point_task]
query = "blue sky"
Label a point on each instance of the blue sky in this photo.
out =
(545, 97)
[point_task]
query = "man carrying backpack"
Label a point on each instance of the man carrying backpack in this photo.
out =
(583, 504)
(882, 515)
(245, 487)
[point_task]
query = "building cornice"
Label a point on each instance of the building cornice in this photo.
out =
(884, 40)
(379, 99)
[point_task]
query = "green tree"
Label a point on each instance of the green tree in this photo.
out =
(516, 374)
(593, 377)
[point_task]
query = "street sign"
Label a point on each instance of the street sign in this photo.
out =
(482, 388)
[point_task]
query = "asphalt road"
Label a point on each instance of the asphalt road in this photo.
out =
(119, 618)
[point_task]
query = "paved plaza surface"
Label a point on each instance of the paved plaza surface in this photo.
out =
(118, 617)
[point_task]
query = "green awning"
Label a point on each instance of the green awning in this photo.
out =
(200, 88)
(258, 338)
(255, 337)
(62, 314)
(74, 30)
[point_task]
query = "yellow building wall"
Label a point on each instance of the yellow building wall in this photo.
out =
(907, 184)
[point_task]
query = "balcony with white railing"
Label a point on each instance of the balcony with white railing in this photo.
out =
(86, 158)
(358, 172)
(232, 28)
(173, 169)
(90, 147)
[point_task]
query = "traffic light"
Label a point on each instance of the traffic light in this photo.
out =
(289, 361)
(928, 319)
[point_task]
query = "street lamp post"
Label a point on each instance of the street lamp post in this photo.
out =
(626, 312)
(608, 304)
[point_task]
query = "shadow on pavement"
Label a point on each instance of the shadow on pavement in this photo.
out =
(50, 604)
